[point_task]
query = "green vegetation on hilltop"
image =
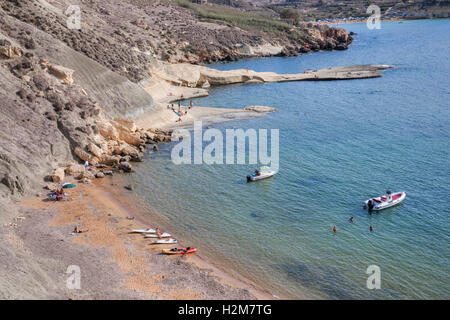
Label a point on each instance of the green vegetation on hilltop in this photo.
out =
(242, 19)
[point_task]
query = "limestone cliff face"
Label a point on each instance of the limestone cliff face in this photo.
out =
(61, 88)
(69, 95)
(53, 102)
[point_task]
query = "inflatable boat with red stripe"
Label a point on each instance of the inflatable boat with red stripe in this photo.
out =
(388, 200)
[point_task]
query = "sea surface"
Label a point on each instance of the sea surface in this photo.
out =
(341, 142)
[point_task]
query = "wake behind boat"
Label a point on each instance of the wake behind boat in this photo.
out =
(263, 173)
(382, 202)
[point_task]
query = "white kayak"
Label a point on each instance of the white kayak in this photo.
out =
(168, 241)
(386, 201)
(263, 174)
(144, 230)
(163, 235)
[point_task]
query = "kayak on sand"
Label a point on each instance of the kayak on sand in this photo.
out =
(179, 251)
(164, 241)
(144, 230)
(163, 235)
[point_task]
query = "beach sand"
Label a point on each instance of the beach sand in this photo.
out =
(114, 263)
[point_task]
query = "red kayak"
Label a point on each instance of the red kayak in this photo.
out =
(179, 250)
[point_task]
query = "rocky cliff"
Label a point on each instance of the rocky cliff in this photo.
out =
(61, 86)
(67, 95)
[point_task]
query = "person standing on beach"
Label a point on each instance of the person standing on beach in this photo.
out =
(158, 233)
(190, 104)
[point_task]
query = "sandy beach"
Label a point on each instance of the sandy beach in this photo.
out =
(114, 263)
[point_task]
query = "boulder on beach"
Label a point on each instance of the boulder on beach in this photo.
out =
(85, 175)
(74, 168)
(58, 175)
(99, 175)
(51, 186)
(125, 166)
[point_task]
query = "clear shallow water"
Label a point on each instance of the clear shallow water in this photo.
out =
(340, 142)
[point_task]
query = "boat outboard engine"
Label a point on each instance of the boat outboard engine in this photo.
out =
(370, 204)
(389, 195)
(249, 178)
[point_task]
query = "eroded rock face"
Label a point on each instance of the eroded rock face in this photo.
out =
(10, 51)
(65, 74)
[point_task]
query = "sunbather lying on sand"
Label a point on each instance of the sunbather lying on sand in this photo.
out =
(78, 230)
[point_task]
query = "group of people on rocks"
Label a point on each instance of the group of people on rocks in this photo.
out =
(180, 112)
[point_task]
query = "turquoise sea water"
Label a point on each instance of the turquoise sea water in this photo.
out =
(341, 142)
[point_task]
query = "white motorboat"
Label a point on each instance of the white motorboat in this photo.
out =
(386, 201)
(264, 173)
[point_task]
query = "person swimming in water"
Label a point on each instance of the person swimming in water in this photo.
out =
(351, 219)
